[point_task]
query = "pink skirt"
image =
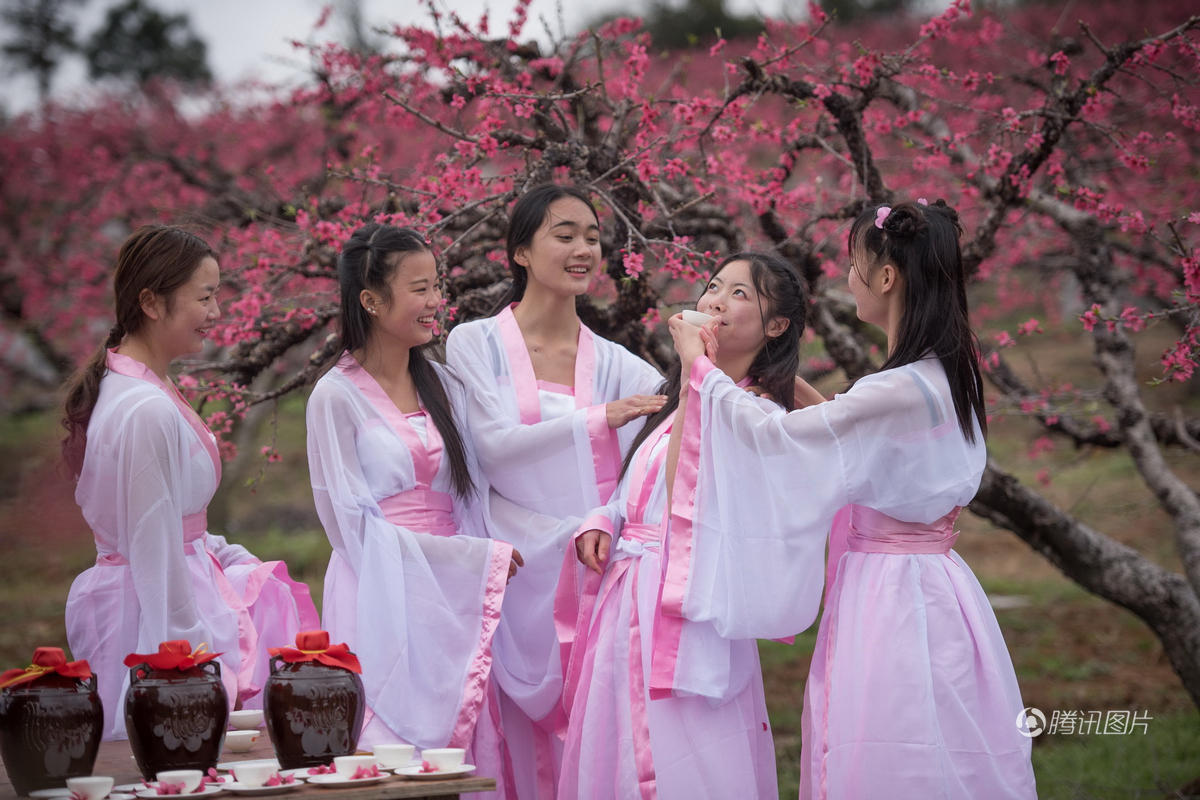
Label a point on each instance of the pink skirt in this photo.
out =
(699, 748)
(911, 676)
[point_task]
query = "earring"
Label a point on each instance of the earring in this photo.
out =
(372, 310)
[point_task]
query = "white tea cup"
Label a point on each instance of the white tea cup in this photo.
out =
(254, 773)
(240, 741)
(697, 318)
(444, 758)
(346, 766)
(189, 778)
(90, 787)
(393, 756)
(246, 719)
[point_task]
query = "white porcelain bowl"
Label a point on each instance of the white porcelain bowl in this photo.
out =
(444, 757)
(190, 778)
(90, 787)
(393, 756)
(247, 719)
(240, 741)
(346, 766)
(254, 773)
(697, 318)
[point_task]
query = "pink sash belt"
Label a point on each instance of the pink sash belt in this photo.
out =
(636, 538)
(194, 527)
(421, 511)
(873, 532)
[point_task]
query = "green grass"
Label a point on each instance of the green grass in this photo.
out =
(1121, 767)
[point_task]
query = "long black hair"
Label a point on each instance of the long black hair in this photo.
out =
(368, 261)
(922, 243)
(528, 215)
(774, 368)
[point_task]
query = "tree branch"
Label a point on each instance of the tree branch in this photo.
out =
(1163, 599)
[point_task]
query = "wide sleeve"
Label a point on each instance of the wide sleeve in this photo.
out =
(747, 555)
(424, 607)
(229, 555)
(149, 512)
(579, 444)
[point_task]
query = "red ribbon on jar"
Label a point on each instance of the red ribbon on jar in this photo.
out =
(45, 661)
(175, 654)
(314, 646)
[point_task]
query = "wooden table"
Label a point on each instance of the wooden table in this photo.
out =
(116, 760)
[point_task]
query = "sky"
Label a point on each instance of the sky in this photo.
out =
(249, 39)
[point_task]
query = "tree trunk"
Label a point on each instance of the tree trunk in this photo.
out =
(1162, 599)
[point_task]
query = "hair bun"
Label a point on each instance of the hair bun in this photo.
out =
(905, 221)
(948, 210)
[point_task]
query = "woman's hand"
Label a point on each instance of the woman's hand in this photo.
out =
(636, 405)
(708, 333)
(591, 547)
(691, 341)
(516, 562)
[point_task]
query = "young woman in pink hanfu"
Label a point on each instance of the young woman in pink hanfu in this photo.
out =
(147, 468)
(705, 733)
(911, 692)
(414, 584)
(548, 402)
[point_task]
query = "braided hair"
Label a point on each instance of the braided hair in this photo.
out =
(155, 258)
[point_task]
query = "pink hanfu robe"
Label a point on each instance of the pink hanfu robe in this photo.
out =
(705, 737)
(911, 693)
(414, 586)
(550, 458)
(149, 471)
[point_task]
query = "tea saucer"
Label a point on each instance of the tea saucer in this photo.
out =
(206, 790)
(436, 775)
(299, 773)
(46, 794)
(238, 788)
(331, 781)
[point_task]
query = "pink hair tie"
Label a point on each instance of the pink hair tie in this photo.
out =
(881, 214)
(922, 201)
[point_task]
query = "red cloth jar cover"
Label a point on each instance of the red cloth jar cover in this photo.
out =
(314, 646)
(175, 654)
(46, 660)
